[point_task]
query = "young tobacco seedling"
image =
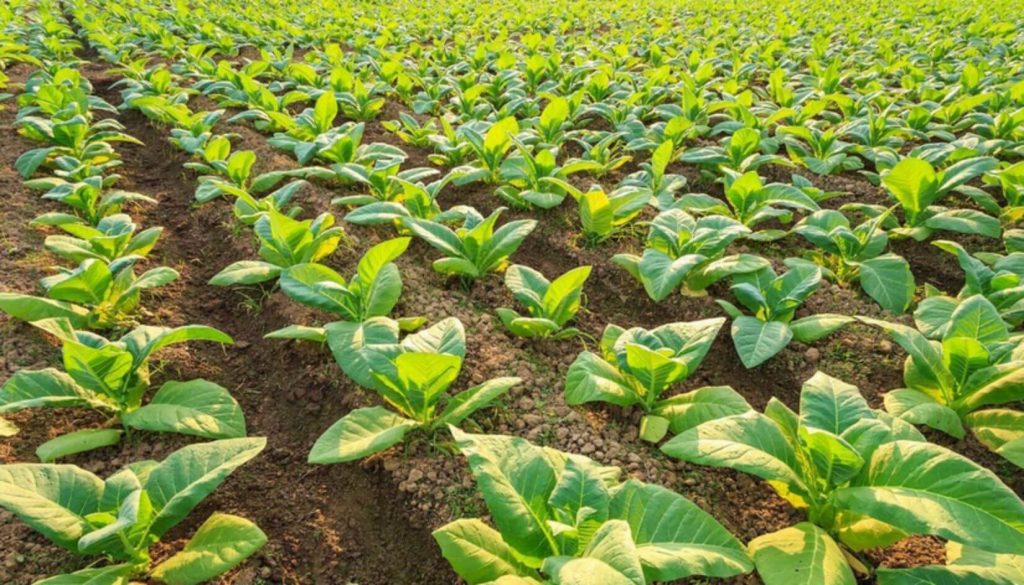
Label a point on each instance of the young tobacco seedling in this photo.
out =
(969, 378)
(284, 242)
(773, 300)
(535, 179)
(118, 520)
(847, 255)
(91, 198)
(740, 152)
(415, 201)
(490, 149)
(412, 376)
(997, 277)
(231, 174)
(865, 479)
(114, 237)
(474, 249)
(372, 292)
(382, 182)
(549, 304)
(96, 294)
(820, 151)
(918, 187)
(112, 377)
(562, 519)
(681, 250)
(652, 177)
(749, 201)
(636, 366)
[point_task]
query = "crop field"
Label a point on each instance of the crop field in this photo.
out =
(577, 292)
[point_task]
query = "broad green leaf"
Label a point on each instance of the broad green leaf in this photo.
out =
(592, 379)
(29, 308)
(610, 558)
(923, 488)
(182, 480)
(815, 327)
(687, 410)
(360, 433)
(477, 552)
(800, 555)
(921, 409)
(196, 407)
(888, 280)
(674, 537)
(43, 388)
(467, 402)
(52, 499)
(831, 405)
(246, 272)
(756, 341)
(77, 442)
(516, 480)
(749, 442)
(219, 545)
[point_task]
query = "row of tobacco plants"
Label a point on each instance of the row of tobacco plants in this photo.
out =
(91, 306)
(545, 121)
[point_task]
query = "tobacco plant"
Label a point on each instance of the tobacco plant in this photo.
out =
(561, 518)
(412, 376)
(118, 520)
(683, 251)
(864, 480)
(284, 242)
(848, 254)
(634, 367)
(474, 249)
(112, 377)
(772, 301)
(549, 304)
(969, 378)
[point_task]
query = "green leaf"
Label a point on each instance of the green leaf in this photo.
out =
(592, 379)
(219, 545)
(978, 319)
(43, 388)
(610, 558)
(182, 480)
(831, 405)
(29, 308)
(246, 272)
(913, 183)
(467, 402)
(197, 407)
(815, 327)
(477, 553)
(676, 539)
(749, 442)
(77, 442)
(112, 575)
(1001, 430)
(52, 499)
(922, 488)
(888, 280)
(921, 409)
(756, 341)
(360, 433)
(800, 555)
(685, 411)
(516, 480)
